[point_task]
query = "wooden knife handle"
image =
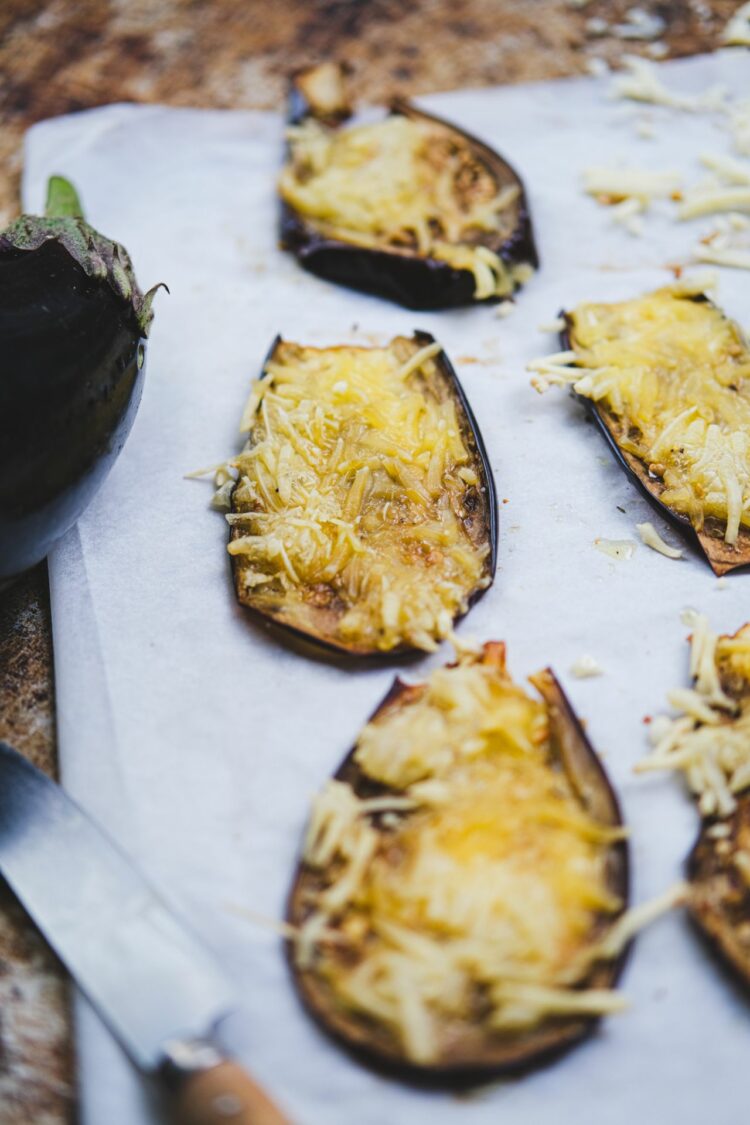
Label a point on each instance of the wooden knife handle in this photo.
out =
(207, 1088)
(224, 1095)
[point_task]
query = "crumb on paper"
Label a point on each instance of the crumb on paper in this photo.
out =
(585, 667)
(721, 583)
(505, 308)
(689, 616)
(651, 538)
(616, 548)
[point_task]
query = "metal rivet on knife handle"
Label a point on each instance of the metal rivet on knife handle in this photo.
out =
(209, 1089)
(224, 1095)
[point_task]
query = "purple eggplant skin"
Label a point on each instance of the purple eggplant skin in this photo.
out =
(417, 283)
(73, 325)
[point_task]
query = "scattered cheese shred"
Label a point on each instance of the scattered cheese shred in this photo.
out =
(613, 185)
(407, 185)
(709, 739)
(673, 374)
(640, 82)
(586, 667)
(353, 490)
(651, 538)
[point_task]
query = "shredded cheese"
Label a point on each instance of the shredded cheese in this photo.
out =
(709, 738)
(491, 877)
(408, 185)
(640, 82)
(651, 538)
(354, 491)
(613, 185)
(674, 374)
(728, 244)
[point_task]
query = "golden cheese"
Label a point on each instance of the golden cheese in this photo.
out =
(405, 184)
(676, 373)
(351, 493)
(492, 876)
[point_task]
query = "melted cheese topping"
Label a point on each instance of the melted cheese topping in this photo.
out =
(486, 892)
(675, 374)
(709, 739)
(406, 184)
(355, 491)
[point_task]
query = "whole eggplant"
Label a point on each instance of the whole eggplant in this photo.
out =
(73, 324)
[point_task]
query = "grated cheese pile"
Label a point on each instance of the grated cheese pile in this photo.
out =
(675, 375)
(488, 890)
(408, 185)
(355, 492)
(709, 740)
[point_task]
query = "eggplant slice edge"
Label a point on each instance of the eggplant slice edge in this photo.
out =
(475, 1054)
(417, 282)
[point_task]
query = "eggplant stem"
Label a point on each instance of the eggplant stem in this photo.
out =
(62, 200)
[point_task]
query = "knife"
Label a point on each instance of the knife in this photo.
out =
(156, 987)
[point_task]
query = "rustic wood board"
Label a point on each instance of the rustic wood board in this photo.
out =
(64, 55)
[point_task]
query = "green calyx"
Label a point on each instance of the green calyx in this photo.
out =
(99, 257)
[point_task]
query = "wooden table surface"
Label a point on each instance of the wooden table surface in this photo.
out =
(66, 55)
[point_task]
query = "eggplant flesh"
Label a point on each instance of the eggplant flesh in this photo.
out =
(394, 531)
(620, 432)
(396, 268)
(74, 326)
(468, 1048)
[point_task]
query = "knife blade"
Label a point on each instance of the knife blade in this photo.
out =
(154, 984)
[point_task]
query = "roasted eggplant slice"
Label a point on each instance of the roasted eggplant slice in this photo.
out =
(363, 515)
(74, 324)
(462, 880)
(710, 742)
(667, 379)
(410, 207)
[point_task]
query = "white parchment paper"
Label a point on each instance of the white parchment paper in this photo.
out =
(199, 740)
